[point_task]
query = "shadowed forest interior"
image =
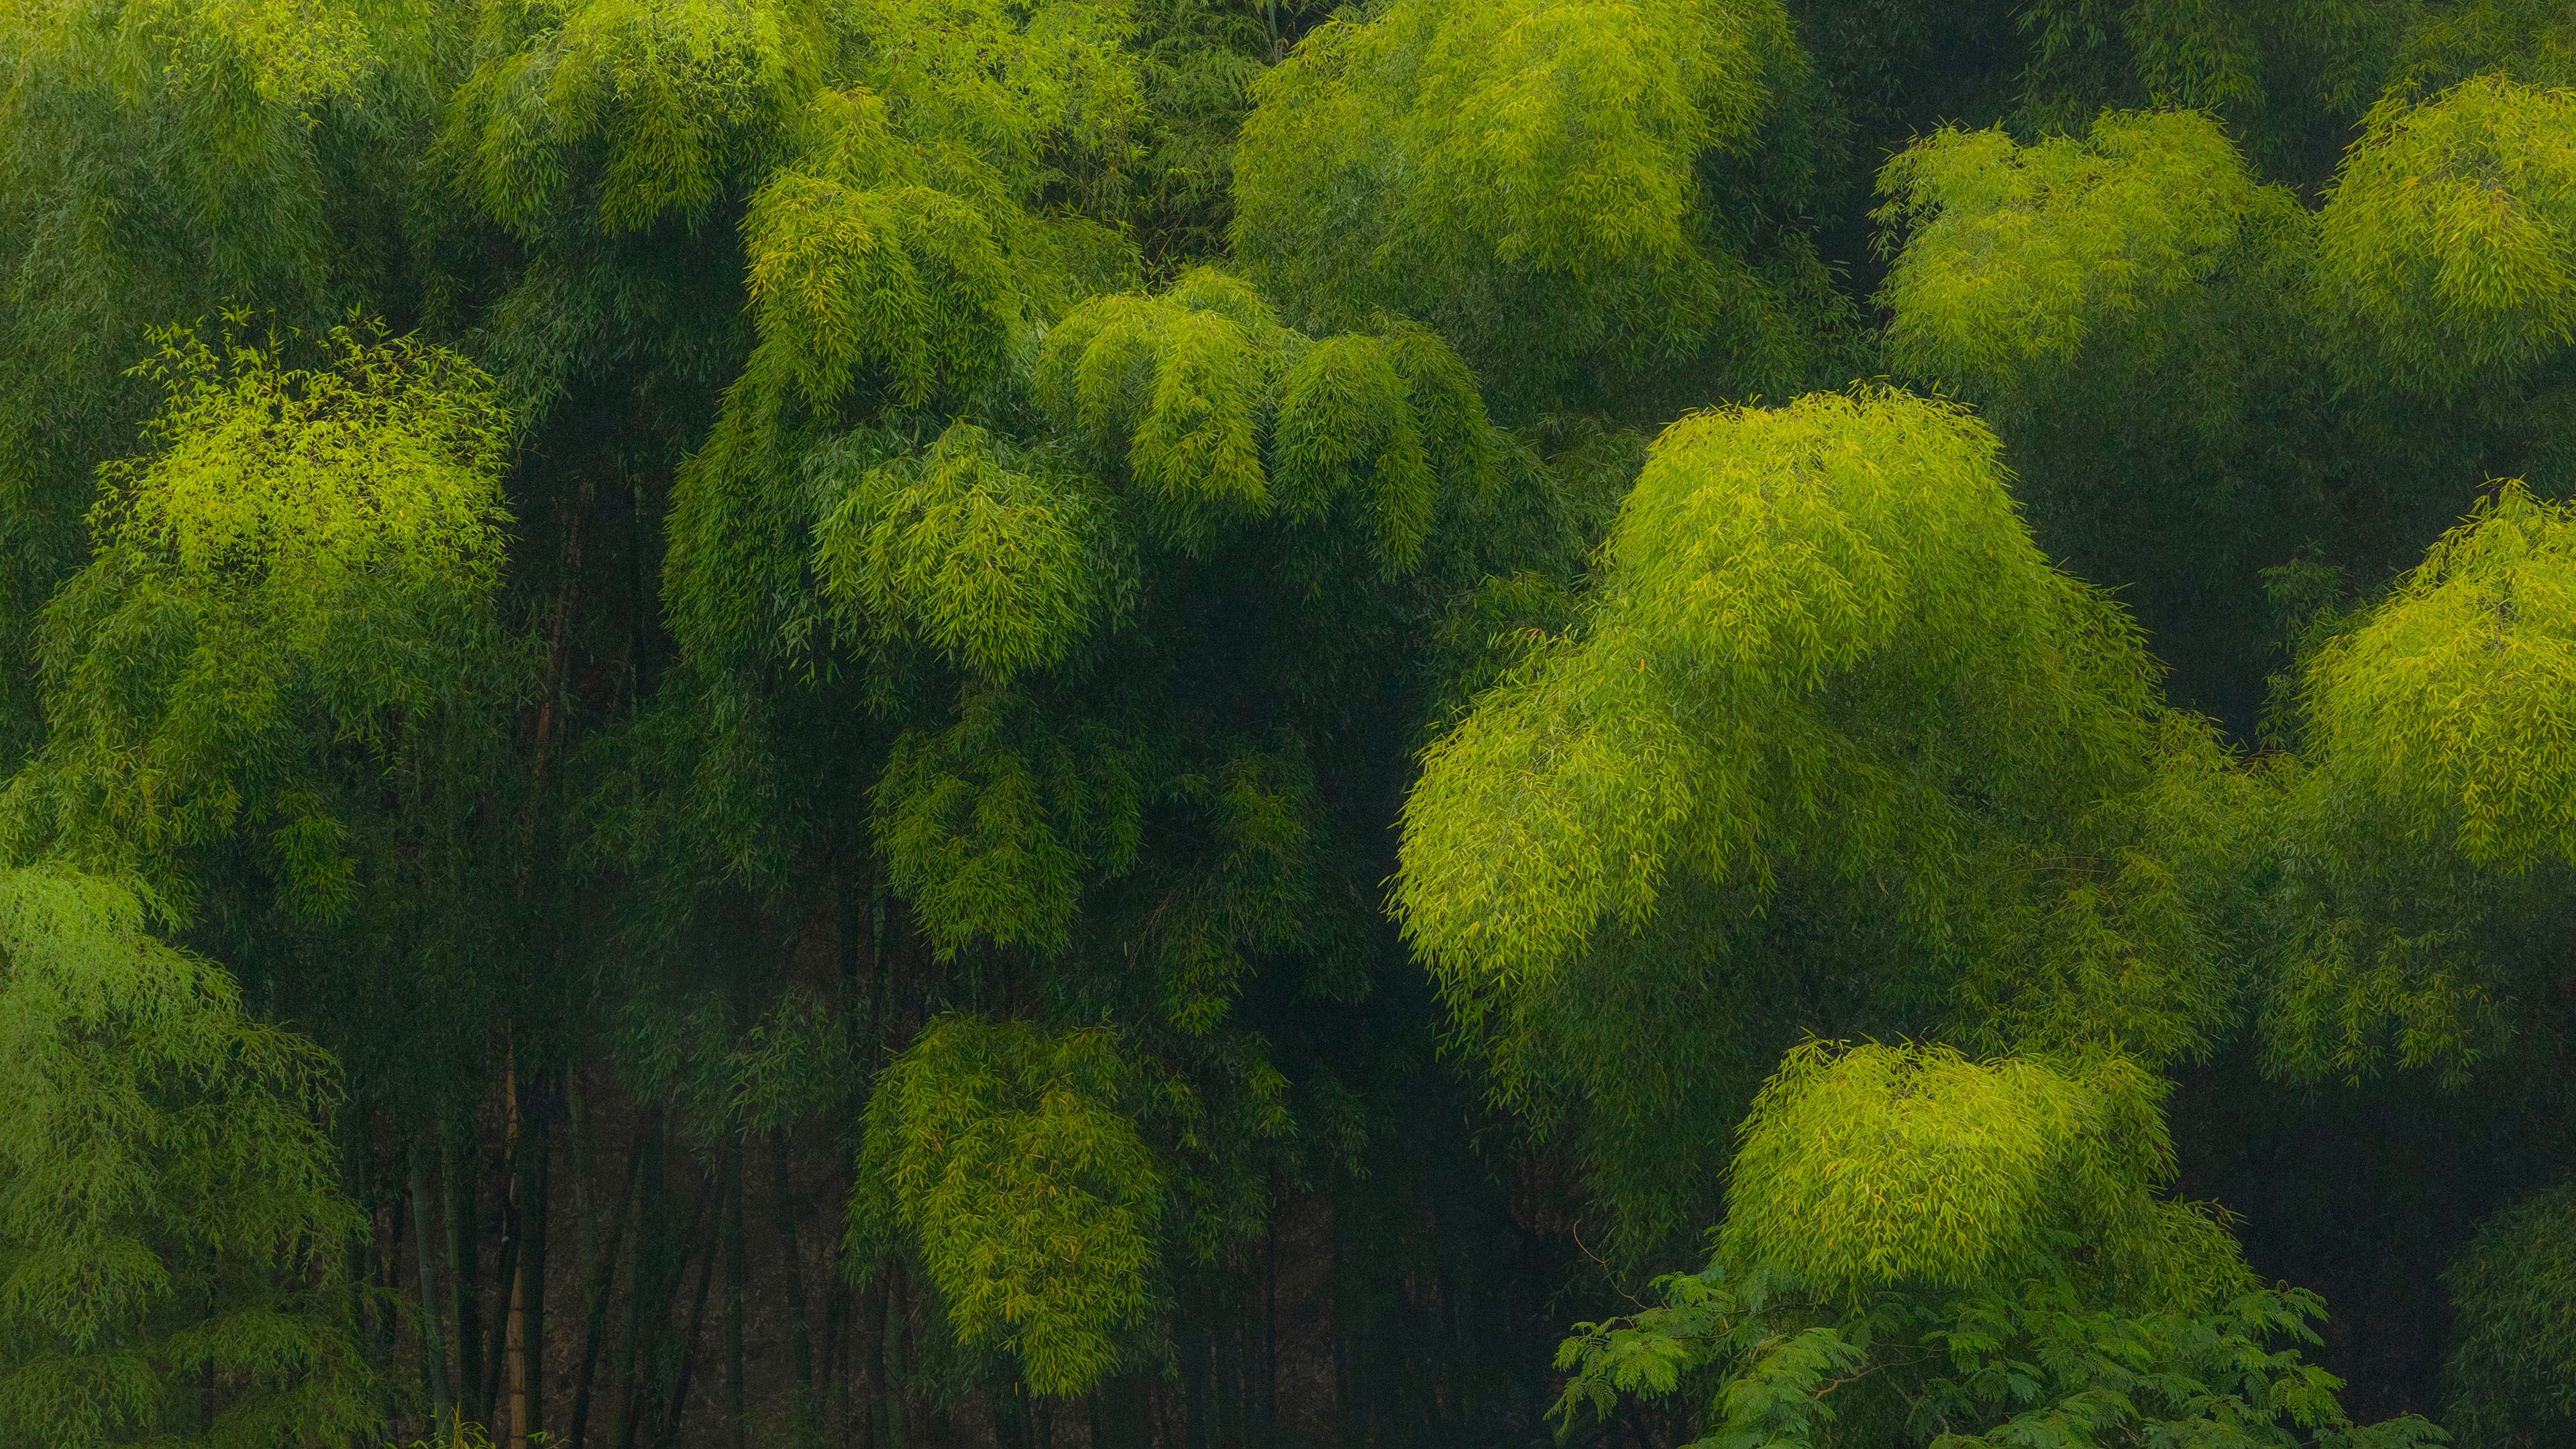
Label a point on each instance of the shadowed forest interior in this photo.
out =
(1216, 724)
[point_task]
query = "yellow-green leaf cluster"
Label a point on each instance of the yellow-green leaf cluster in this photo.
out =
(1001, 568)
(2448, 249)
(2016, 254)
(306, 557)
(676, 93)
(905, 283)
(294, 54)
(989, 826)
(1814, 623)
(170, 1208)
(1881, 1165)
(380, 464)
(1460, 159)
(1006, 1153)
(1219, 416)
(2454, 700)
(1871, 1167)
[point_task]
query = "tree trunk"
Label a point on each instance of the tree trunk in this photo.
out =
(497, 1356)
(689, 1348)
(782, 1207)
(456, 1170)
(432, 1348)
(652, 1293)
(737, 1267)
(528, 1284)
(602, 1280)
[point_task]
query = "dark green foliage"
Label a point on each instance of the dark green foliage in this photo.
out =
(2512, 1373)
(924, 722)
(171, 1212)
(1529, 180)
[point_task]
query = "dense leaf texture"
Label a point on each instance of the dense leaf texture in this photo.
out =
(1782, 586)
(1014, 722)
(172, 1210)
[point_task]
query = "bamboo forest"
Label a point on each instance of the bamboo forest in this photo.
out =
(1229, 724)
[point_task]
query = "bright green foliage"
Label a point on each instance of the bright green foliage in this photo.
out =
(1605, 109)
(1922, 1249)
(2512, 1371)
(1828, 739)
(1524, 176)
(1218, 415)
(2016, 255)
(883, 271)
(159, 162)
(2448, 251)
(2127, 308)
(1044, 92)
(2450, 698)
(1370, 413)
(1882, 1165)
(304, 557)
(2426, 839)
(989, 825)
(658, 100)
(906, 280)
(377, 463)
(2013, 1367)
(1785, 589)
(298, 55)
(1174, 387)
(1000, 570)
(1009, 1155)
(170, 1215)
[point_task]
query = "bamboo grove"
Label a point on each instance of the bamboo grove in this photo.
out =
(1223, 725)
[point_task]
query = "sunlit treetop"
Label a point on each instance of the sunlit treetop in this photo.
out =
(1788, 593)
(1873, 1166)
(1969, 1252)
(664, 105)
(661, 100)
(2449, 700)
(304, 556)
(1525, 176)
(1045, 92)
(2448, 249)
(295, 53)
(2014, 255)
(1218, 416)
(381, 461)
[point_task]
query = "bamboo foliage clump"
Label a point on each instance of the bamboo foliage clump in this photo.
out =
(2449, 247)
(1782, 585)
(1013, 1157)
(169, 1203)
(912, 720)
